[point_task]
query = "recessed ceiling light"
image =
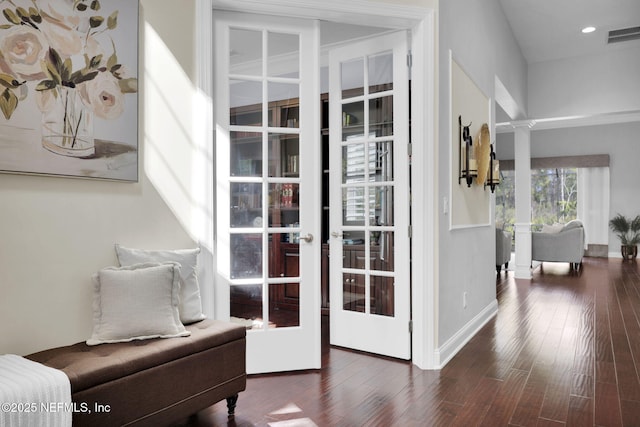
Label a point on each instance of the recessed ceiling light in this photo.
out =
(587, 30)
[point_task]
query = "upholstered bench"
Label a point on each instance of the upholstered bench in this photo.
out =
(153, 382)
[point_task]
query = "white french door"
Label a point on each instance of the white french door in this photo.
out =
(268, 186)
(369, 207)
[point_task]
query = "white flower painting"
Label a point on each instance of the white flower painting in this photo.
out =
(68, 88)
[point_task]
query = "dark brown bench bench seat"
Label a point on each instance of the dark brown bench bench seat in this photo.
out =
(153, 382)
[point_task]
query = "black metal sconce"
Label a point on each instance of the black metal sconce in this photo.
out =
(467, 165)
(493, 180)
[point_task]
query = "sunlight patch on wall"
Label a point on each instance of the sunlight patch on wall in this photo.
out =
(176, 165)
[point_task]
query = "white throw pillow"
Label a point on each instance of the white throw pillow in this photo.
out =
(136, 302)
(552, 229)
(190, 301)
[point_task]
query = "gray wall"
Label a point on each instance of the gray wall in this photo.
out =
(482, 43)
(585, 85)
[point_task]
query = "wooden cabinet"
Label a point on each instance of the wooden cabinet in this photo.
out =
(247, 146)
(324, 280)
(284, 259)
(353, 285)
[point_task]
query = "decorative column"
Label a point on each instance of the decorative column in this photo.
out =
(522, 142)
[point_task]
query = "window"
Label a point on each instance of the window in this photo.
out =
(554, 194)
(554, 197)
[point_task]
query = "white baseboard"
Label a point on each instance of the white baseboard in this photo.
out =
(445, 352)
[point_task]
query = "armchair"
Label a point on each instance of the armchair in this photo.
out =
(566, 245)
(503, 249)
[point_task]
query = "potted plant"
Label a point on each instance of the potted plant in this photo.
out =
(628, 231)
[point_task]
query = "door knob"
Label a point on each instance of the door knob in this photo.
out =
(308, 238)
(336, 234)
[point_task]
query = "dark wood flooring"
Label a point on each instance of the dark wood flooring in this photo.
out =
(564, 349)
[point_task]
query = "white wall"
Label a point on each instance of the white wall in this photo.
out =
(482, 43)
(56, 232)
(585, 85)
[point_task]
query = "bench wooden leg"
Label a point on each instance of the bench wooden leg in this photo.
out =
(231, 404)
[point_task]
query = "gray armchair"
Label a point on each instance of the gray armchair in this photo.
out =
(503, 249)
(567, 245)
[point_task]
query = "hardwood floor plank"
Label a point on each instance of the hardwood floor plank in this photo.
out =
(580, 411)
(549, 423)
(556, 398)
(607, 409)
(582, 385)
(630, 413)
(506, 399)
(528, 407)
(564, 350)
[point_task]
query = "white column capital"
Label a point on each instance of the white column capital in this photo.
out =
(515, 124)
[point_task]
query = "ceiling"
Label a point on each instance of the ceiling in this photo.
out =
(550, 29)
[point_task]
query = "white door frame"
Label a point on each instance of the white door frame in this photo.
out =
(422, 23)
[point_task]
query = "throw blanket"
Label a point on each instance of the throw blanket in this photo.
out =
(32, 394)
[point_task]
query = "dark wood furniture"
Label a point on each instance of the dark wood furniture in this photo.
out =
(154, 382)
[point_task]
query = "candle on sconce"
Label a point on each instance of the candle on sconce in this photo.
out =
(495, 177)
(473, 167)
(473, 164)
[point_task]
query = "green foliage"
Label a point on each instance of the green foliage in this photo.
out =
(554, 196)
(627, 230)
(22, 16)
(58, 71)
(8, 98)
(112, 20)
(61, 72)
(96, 21)
(8, 103)
(11, 16)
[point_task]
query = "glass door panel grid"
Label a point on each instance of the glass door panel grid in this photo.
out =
(360, 184)
(267, 125)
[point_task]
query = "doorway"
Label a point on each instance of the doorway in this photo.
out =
(222, 305)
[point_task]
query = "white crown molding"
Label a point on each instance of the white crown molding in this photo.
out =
(571, 121)
(378, 13)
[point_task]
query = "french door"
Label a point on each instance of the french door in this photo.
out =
(268, 186)
(369, 200)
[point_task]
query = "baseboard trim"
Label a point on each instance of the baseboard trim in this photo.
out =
(445, 352)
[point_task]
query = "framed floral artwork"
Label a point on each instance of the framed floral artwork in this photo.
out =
(68, 88)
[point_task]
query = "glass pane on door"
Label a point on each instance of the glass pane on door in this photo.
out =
(380, 72)
(246, 306)
(284, 55)
(246, 103)
(246, 256)
(246, 150)
(352, 78)
(245, 52)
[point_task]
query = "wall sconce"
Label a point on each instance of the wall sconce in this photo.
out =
(493, 179)
(467, 165)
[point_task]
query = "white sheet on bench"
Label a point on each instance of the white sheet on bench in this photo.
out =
(32, 394)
